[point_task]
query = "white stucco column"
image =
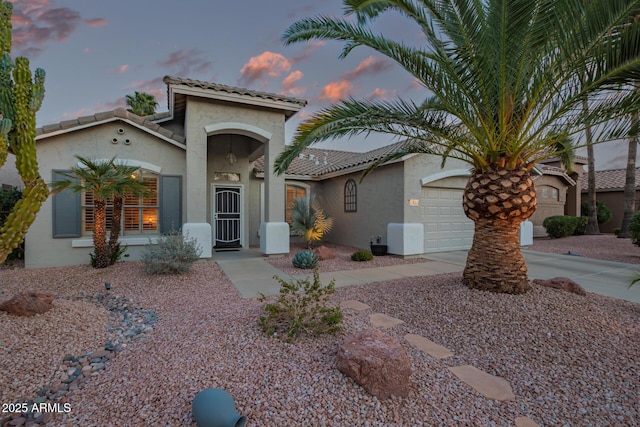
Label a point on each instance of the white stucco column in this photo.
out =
(274, 232)
(196, 185)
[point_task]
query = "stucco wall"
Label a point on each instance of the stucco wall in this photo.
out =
(380, 201)
(58, 152)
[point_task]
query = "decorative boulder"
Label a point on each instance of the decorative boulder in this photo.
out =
(325, 253)
(377, 362)
(562, 283)
(28, 303)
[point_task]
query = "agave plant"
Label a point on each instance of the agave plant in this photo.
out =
(309, 221)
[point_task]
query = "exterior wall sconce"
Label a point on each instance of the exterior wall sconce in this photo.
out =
(231, 158)
(414, 202)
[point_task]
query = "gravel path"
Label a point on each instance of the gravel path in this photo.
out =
(604, 246)
(571, 360)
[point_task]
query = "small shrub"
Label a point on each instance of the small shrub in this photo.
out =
(581, 226)
(301, 307)
(305, 259)
(602, 211)
(362, 255)
(634, 229)
(559, 226)
(325, 253)
(616, 230)
(174, 254)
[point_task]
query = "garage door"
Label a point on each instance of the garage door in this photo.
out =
(446, 227)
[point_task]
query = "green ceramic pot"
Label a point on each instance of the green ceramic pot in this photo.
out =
(214, 407)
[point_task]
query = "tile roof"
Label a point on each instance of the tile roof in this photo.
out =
(610, 180)
(119, 113)
(315, 162)
(231, 89)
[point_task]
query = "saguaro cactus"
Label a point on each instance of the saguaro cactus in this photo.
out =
(21, 95)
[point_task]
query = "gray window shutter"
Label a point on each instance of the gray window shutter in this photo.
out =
(170, 203)
(66, 211)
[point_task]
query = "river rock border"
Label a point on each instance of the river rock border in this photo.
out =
(129, 322)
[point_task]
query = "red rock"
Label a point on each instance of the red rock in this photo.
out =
(324, 253)
(562, 283)
(28, 303)
(377, 362)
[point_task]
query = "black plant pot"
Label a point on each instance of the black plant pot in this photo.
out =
(379, 250)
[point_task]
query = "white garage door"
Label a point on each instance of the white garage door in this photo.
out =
(446, 227)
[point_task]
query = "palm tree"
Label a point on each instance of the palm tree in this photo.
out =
(506, 80)
(630, 181)
(309, 221)
(141, 103)
(105, 180)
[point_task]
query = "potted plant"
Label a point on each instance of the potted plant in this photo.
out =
(377, 248)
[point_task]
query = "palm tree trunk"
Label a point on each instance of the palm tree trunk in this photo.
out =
(592, 210)
(498, 200)
(115, 222)
(102, 257)
(630, 183)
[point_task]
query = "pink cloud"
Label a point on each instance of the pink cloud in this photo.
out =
(309, 47)
(382, 94)
(37, 22)
(86, 50)
(289, 84)
(369, 66)
(186, 63)
(337, 90)
(120, 70)
(96, 22)
(263, 67)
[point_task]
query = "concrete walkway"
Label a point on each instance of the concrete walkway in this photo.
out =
(251, 274)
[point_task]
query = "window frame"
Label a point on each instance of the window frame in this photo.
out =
(350, 196)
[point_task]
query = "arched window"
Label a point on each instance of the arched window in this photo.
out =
(350, 196)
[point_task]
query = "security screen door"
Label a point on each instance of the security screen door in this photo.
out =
(227, 217)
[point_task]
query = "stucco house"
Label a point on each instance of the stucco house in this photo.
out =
(209, 160)
(9, 176)
(610, 190)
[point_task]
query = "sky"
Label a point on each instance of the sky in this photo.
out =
(96, 52)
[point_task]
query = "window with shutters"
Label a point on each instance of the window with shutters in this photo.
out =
(139, 214)
(293, 192)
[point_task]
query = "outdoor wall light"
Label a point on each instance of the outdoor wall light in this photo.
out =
(231, 158)
(414, 202)
(107, 285)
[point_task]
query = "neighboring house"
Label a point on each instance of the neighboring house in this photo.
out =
(9, 176)
(610, 190)
(209, 160)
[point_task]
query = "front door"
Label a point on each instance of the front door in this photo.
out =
(227, 217)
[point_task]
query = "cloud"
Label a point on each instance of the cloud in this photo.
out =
(120, 70)
(379, 93)
(37, 22)
(369, 66)
(289, 84)
(186, 63)
(337, 90)
(309, 47)
(96, 22)
(262, 68)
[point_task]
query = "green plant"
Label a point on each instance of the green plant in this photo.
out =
(117, 253)
(8, 199)
(506, 81)
(309, 221)
(635, 279)
(301, 307)
(616, 231)
(21, 95)
(581, 225)
(559, 226)
(362, 255)
(174, 254)
(634, 229)
(305, 259)
(602, 211)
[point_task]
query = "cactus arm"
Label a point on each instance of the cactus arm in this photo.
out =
(21, 96)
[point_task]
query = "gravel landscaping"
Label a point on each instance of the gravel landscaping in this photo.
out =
(604, 246)
(571, 360)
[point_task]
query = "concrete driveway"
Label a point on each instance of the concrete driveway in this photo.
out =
(601, 277)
